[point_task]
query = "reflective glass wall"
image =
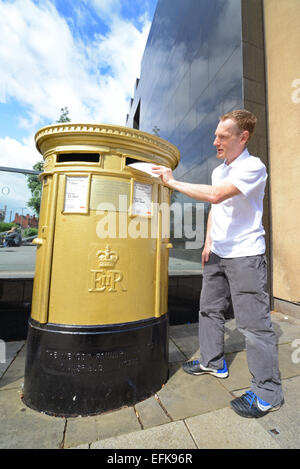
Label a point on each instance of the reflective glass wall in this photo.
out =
(191, 73)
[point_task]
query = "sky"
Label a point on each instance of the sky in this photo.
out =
(80, 54)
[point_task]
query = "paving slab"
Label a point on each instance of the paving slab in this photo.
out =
(81, 430)
(177, 416)
(174, 435)
(239, 375)
(175, 354)
(284, 424)
(223, 429)
(186, 395)
(13, 377)
(151, 413)
(286, 328)
(234, 341)
(186, 339)
(288, 368)
(23, 428)
(11, 349)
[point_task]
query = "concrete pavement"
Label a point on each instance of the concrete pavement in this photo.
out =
(188, 412)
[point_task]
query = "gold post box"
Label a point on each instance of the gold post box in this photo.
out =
(98, 331)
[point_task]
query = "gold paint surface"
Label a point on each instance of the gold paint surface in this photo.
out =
(104, 266)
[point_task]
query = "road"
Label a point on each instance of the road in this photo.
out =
(17, 261)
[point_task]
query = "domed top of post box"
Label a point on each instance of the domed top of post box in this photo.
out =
(109, 138)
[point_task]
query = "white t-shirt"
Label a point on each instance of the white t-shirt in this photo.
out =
(236, 228)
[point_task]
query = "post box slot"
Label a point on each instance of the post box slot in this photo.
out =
(142, 166)
(133, 160)
(78, 157)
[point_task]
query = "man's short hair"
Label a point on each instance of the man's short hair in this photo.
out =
(244, 120)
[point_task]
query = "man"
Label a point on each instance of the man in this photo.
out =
(13, 238)
(235, 265)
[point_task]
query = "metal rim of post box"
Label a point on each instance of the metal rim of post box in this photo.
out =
(116, 137)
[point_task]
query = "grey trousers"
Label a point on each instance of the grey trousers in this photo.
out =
(244, 280)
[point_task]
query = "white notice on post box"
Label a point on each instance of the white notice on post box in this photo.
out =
(76, 194)
(142, 199)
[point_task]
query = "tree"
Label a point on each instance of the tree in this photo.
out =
(33, 182)
(64, 117)
(35, 187)
(156, 131)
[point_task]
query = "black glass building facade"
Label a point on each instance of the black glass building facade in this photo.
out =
(201, 60)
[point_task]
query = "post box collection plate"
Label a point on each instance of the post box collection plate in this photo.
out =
(106, 194)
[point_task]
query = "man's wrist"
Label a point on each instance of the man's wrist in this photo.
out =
(207, 245)
(171, 183)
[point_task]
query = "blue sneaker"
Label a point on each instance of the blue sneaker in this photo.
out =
(194, 367)
(249, 405)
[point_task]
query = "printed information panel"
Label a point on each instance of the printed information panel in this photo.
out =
(76, 194)
(142, 199)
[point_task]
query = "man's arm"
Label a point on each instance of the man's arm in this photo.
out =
(212, 194)
(207, 246)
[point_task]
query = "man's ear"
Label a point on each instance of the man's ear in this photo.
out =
(245, 137)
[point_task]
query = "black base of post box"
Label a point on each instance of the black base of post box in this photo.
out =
(86, 370)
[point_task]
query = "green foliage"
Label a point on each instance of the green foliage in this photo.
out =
(30, 232)
(33, 182)
(64, 117)
(35, 186)
(4, 226)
